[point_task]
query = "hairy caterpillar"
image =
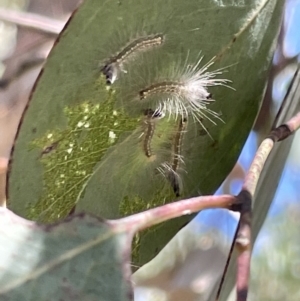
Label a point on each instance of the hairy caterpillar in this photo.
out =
(170, 169)
(150, 119)
(185, 94)
(115, 64)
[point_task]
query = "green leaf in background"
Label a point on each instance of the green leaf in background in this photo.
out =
(81, 258)
(84, 145)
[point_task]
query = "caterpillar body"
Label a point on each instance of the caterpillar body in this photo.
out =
(185, 94)
(170, 170)
(151, 118)
(169, 88)
(115, 64)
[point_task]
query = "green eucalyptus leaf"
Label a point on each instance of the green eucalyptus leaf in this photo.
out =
(84, 144)
(81, 258)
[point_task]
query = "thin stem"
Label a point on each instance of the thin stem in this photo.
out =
(278, 134)
(142, 220)
(243, 240)
(243, 275)
(252, 177)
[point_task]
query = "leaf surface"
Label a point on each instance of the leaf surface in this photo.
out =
(81, 144)
(81, 258)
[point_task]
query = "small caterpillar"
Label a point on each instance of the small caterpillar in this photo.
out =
(177, 157)
(116, 63)
(170, 169)
(167, 87)
(150, 120)
(185, 94)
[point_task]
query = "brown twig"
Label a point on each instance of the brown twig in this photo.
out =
(142, 220)
(243, 239)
